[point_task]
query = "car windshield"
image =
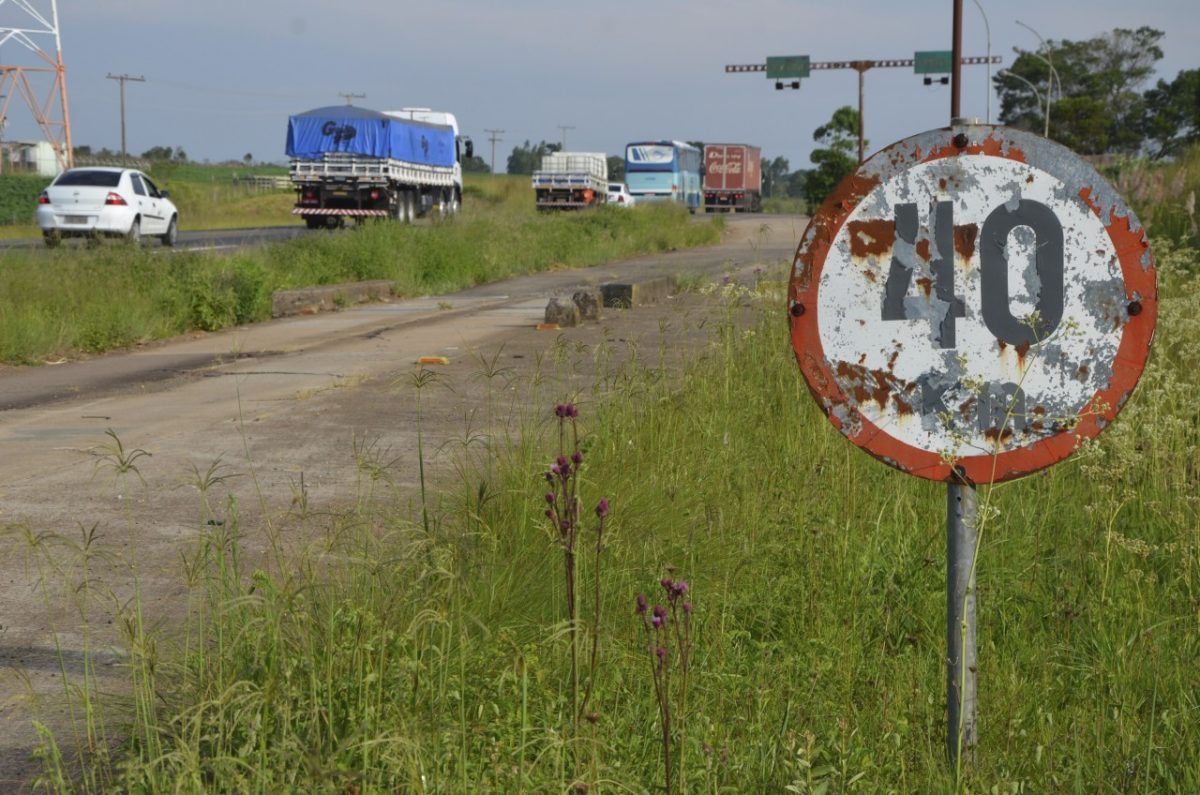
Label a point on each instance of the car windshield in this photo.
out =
(94, 179)
(615, 188)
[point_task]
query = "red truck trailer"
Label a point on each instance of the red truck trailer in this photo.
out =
(732, 178)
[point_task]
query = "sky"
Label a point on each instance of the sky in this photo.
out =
(222, 76)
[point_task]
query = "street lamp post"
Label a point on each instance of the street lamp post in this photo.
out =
(1037, 95)
(1051, 78)
(988, 31)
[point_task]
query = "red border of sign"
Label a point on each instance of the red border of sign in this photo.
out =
(1129, 241)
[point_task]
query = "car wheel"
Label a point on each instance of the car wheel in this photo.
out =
(52, 238)
(134, 235)
(172, 233)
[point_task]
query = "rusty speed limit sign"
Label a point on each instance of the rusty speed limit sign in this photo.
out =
(973, 300)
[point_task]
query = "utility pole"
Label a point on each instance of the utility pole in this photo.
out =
(493, 136)
(861, 67)
(564, 128)
(350, 97)
(123, 79)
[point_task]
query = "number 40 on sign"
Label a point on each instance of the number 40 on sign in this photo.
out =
(972, 303)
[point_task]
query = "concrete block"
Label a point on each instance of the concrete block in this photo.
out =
(310, 300)
(630, 294)
(589, 301)
(562, 311)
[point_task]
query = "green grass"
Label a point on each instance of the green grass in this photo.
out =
(788, 205)
(71, 300)
(1163, 194)
(401, 658)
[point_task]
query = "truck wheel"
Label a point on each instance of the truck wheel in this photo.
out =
(314, 222)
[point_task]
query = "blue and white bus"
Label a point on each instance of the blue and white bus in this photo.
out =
(664, 171)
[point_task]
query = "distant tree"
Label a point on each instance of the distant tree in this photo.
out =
(180, 155)
(1095, 105)
(616, 168)
(82, 151)
(159, 153)
(248, 158)
(528, 158)
(836, 158)
(476, 165)
(774, 176)
(1172, 118)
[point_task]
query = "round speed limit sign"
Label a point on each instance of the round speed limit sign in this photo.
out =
(973, 302)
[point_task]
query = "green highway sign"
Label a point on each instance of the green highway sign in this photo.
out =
(933, 62)
(781, 67)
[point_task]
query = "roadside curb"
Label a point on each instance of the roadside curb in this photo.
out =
(311, 300)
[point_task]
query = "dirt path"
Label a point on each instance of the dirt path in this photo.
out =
(278, 404)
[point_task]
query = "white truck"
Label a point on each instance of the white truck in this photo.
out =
(571, 180)
(349, 162)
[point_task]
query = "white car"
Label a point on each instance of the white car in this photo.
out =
(618, 194)
(89, 202)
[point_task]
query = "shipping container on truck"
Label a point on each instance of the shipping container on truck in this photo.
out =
(732, 178)
(571, 180)
(350, 162)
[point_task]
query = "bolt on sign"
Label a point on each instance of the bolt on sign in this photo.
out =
(973, 302)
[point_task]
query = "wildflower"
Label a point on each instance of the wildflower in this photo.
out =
(577, 458)
(656, 620)
(602, 507)
(549, 498)
(687, 608)
(661, 653)
(642, 604)
(667, 583)
(679, 588)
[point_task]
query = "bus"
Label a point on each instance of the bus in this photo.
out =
(664, 171)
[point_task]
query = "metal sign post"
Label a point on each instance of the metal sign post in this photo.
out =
(962, 543)
(969, 306)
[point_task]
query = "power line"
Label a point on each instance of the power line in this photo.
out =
(493, 136)
(564, 127)
(123, 79)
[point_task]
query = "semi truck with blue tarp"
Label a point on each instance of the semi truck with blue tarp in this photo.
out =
(351, 162)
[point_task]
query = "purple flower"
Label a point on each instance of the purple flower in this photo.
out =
(666, 583)
(641, 604)
(687, 608)
(572, 411)
(660, 611)
(549, 514)
(661, 653)
(560, 410)
(550, 477)
(656, 620)
(602, 507)
(679, 588)
(555, 469)
(550, 498)
(577, 458)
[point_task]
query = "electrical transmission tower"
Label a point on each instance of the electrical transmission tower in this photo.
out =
(31, 67)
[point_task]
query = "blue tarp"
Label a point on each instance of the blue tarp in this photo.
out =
(358, 131)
